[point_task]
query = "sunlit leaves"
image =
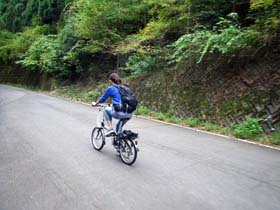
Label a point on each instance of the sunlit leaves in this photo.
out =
(42, 55)
(227, 39)
(14, 45)
(260, 4)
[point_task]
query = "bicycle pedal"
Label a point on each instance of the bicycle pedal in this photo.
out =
(112, 133)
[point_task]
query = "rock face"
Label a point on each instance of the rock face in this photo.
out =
(221, 90)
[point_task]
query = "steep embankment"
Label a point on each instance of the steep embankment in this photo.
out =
(218, 89)
(16, 75)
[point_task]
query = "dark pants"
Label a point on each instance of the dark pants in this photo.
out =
(120, 125)
(110, 113)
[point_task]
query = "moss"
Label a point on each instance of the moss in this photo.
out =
(236, 107)
(163, 93)
(194, 102)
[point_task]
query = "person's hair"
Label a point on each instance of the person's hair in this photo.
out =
(115, 78)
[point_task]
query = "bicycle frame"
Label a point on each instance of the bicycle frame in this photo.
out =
(125, 142)
(100, 121)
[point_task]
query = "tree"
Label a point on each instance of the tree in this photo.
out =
(15, 14)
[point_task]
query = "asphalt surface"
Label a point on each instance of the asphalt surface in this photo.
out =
(47, 162)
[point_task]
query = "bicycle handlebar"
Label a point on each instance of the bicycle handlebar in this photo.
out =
(101, 105)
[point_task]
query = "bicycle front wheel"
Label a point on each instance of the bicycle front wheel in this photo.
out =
(128, 151)
(98, 138)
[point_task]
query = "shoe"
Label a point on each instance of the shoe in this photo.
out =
(110, 132)
(118, 153)
(115, 142)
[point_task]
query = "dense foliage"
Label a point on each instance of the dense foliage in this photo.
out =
(15, 14)
(13, 46)
(58, 36)
(227, 38)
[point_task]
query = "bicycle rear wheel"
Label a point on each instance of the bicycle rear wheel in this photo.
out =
(98, 138)
(128, 151)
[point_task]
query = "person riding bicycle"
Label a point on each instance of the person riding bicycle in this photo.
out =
(116, 111)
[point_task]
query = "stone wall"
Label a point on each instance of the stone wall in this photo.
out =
(16, 75)
(221, 90)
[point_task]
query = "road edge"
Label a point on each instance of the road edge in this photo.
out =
(159, 121)
(181, 126)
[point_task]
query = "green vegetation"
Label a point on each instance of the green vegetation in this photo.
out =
(227, 38)
(16, 14)
(271, 139)
(274, 138)
(74, 93)
(13, 46)
(249, 129)
(192, 122)
(57, 37)
(211, 127)
(104, 22)
(147, 61)
(42, 54)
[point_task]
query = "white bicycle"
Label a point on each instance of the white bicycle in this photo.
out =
(125, 142)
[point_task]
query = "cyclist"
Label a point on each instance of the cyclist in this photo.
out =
(116, 111)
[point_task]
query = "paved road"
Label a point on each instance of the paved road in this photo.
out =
(47, 162)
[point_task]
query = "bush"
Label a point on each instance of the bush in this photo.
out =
(12, 46)
(267, 15)
(227, 38)
(106, 22)
(143, 110)
(147, 61)
(211, 127)
(249, 129)
(192, 122)
(140, 63)
(42, 55)
(49, 54)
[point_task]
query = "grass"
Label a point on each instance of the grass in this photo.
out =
(73, 93)
(191, 122)
(273, 138)
(250, 129)
(211, 127)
